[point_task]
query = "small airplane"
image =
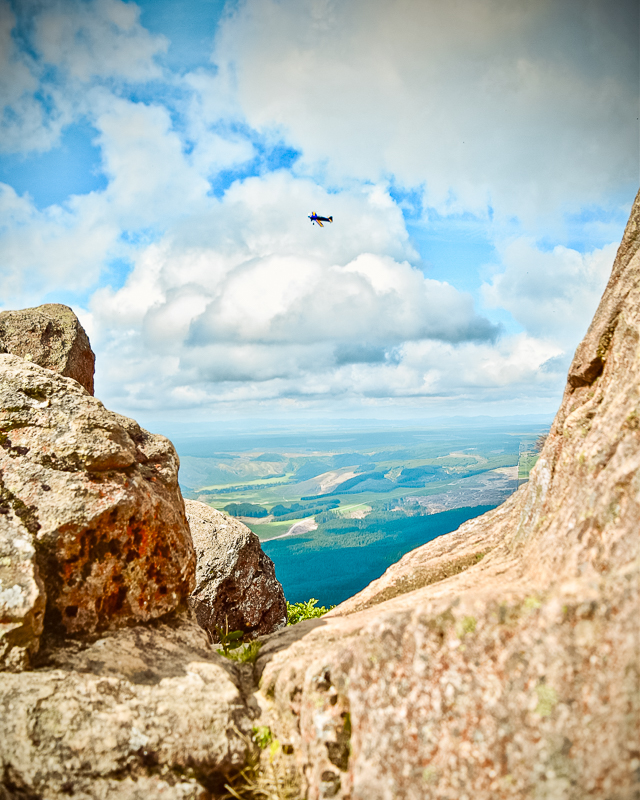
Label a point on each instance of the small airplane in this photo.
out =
(315, 218)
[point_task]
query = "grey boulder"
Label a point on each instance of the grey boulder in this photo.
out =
(146, 712)
(236, 583)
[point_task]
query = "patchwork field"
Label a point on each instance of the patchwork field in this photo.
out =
(322, 502)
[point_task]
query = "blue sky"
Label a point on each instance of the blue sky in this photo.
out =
(158, 161)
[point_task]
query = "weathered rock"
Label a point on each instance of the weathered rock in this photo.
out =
(22, 595)
(92, 502)
(147, 712)
(236, 582)
(51, 336)
(499, 661)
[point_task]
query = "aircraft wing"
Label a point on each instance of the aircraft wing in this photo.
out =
(319, 223)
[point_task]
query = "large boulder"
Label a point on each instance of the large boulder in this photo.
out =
(499, 661)
(92, 521)
(236, 583)
(146, 712)
(51, 336)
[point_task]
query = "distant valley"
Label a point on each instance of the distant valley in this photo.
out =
(335, 509)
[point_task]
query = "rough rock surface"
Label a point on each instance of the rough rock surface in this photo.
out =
(499, 661)
(91, 517)
(147, 712)
(51, 336)
(235, 580)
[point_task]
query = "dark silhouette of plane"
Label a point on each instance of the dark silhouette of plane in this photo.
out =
(315, 218)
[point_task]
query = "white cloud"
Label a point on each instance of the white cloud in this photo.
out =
(85, 41)
(551, 294)
(24, 122)
(231, 308)
(151, 180)
(99, 38)
(528, 106)
(43, 250)
(238, 300)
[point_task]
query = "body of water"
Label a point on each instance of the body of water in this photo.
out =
(333, 568)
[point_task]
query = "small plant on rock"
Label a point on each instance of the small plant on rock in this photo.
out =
(297, 612)
(230, 640)
(248, 654)
(270, 772)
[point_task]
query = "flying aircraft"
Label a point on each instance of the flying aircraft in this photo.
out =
(315, 218)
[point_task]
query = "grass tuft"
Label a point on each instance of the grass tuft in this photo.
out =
(269, 774)
(297, 612)
(246, 654)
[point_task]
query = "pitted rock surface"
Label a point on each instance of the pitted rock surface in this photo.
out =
(146, 712)
(50, 336)
(499, 661)
(22, 595)
(236, 582)
(97, 499)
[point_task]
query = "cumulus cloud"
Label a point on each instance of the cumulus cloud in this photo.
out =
(247, 293)
(43, 250)
(31, 115)
(232, 297)
(519, 106)
(71, 43)
(152, 184)
(151, 179)
(99, 38)
(551, 294)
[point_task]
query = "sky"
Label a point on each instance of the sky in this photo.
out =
(159, 160)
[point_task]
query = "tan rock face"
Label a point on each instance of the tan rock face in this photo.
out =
(499, 661)
(235, 580)
(22, 595)
(148, 712)
(97, 498)
(51, 336)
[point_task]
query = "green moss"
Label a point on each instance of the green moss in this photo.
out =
(633, 421)
(429, 775)
(547, 699)
(262, 736)
(467, 625)
(531, 603)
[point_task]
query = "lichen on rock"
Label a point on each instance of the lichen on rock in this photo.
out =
(97, 499)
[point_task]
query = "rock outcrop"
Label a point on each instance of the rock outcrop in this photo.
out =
(236, 583)
(146, 712)
(92, 521)
(501, 660)
(50, 336)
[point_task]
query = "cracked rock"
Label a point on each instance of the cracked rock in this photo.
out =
(91, 517)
